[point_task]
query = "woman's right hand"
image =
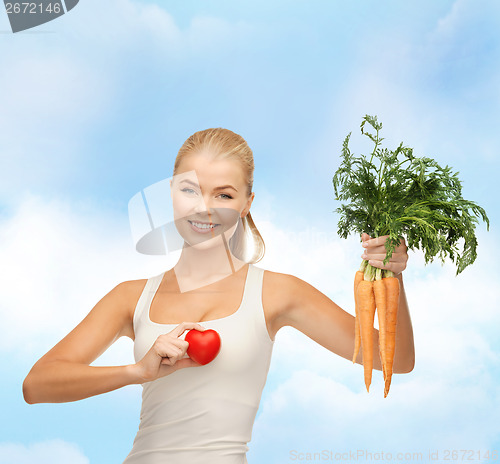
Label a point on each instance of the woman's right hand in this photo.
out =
(167, 354)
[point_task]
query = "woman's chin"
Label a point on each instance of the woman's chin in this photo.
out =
(205, 245)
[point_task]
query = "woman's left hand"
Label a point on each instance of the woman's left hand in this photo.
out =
(375, 253)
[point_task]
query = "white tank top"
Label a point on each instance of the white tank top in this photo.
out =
(204, 414)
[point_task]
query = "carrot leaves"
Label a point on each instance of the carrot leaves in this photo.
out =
(397, 194)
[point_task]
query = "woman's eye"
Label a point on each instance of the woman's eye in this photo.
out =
(188, 190)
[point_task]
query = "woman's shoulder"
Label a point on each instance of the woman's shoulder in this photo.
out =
(280, 293)
(275, 290)
(133, 288)
(278, 278)
(282, 290)
(129, 292)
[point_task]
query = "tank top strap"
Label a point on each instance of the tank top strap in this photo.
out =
(253, 287)
(146, 297)
(253, 306)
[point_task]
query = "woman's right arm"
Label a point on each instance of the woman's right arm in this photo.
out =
(64, 373)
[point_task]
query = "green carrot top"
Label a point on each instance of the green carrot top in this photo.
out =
(395, 193)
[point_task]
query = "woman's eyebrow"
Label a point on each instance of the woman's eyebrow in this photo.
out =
(222, 187)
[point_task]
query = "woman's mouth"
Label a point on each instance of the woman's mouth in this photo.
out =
(201, 227)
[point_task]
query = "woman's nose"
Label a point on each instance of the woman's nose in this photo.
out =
(202, 204)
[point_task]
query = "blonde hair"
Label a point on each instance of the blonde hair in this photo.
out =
(225, 144)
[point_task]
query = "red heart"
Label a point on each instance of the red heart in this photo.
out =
(204, 345)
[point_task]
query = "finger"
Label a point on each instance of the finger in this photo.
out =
(365, 236)
(167, 361)
(171, 351)
(402, 246)
(383, 238)
(377, 241)
(168, 340)
(379, 264)
(183, 326)
(395, 258)
(186, 362)
(395, 267)
(377, 245)
(179, 343)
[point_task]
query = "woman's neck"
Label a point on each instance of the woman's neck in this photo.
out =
(199, 267)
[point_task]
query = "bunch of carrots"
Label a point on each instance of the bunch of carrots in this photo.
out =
(394, 193)
(380, 292)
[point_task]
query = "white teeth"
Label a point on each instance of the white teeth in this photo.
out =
(203, 226)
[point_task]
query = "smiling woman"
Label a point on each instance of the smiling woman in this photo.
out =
(203, 415)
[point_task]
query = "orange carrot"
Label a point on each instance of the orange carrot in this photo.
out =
(366, 302)
(379, 291)
(357, 334)
(392, 288)
(383, 365)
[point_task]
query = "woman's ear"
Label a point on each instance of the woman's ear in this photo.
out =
(247, 207)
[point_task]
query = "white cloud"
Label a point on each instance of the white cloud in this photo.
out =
(434, 88)
(322, 398)
(457, 29)
(59, 259)
(125, 26)
(47, 452)
(321, 402)
(55, 93)
(68, 256)
(122, 26)
(311, 254)
(315, 411)
(49, 99)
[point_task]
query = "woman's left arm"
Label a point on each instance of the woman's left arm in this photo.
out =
(305, 308)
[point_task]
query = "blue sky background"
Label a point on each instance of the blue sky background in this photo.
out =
(94, 107)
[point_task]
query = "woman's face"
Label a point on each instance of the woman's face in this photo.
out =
(209, 198)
